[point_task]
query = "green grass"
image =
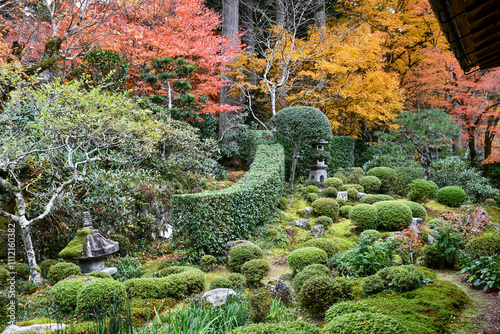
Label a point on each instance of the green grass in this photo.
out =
(151, 267)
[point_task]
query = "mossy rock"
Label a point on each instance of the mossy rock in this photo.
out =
(75, 246)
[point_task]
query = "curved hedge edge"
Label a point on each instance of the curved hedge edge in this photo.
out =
(205, 222)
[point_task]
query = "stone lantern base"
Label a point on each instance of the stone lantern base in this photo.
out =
(94, 264)
(318, 175)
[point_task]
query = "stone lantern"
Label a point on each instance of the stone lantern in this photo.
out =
(90, 248)
(318, 168)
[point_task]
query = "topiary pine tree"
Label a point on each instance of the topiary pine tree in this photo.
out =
(301, 125)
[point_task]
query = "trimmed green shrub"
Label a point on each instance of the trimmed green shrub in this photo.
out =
(318, 293)
(490, 202)
(259, 302)
(371, 234)
(372, 199)
(206, 221)
(364, 323)
(242, 253)
(417, 210)
(342, 152)
(329, 192)
(333, 182)
(365, 217)
(4, 276)
(283, 203)
(219, 282)
(320, 267)
(399, 278)
(100, 274)
(386, 175)
(346, 286)
(350, 175)
(312, 197)
(328, 245)
(486, 245)
(45, 266)
(341, 201)
(303, 213)
(99, 296)
(238, 281)
(373, 284)
(22, 270)
(451, 196)
(422, 191)
(344, 210)
(302, 257)
(427, 272)
(153, 288)
(306, 274)
(312, 189)
(62, 270)
(371, 184)
(254, 271)
(326, 207)
(393, 215)
(352, 194)
(358, 187)
(347, 307)
(194, 280)
(208, 263)
(65, 294)
(324, 220)
(286, 327)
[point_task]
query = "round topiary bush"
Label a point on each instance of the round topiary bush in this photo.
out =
(318, 293)
(302, 257)
(486, 245)
(99, 296)
(4, 276)
(194, 280)
(358, 187)
(22, 270)
(352, 194)
(242, 253)
(370, 183)
(371, 199)
(324, 220)
(62, 270)
(99, 274)
(347, 307)
(220, 282)
(364, 323)
(365, 217)
(373, 284)
(45, 266)
(417, 210)
(65, 294)
(208, 263)
(341, 201)
(397, 278)
(285, 327)
(422, 191)
(326, 207)
(328, 245)
(451, 196)
(238, 281)
(312, 197)
(254, 271)
(344, 210)
(371, 234)
(312, 189)
(393, 215)
(329, 192)
(333, 182)
(386, 175)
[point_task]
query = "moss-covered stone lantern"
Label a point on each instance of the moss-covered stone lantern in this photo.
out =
(90, 248)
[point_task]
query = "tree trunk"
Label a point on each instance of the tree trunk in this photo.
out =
(320, 15)
(489, 136)
(280, 12)
(30, 252)
(273, 100)
(472, 149)
(295, 158)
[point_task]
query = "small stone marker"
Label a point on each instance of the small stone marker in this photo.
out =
(218, 297)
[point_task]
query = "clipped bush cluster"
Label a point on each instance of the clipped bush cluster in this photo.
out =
(422, 191)
(486, 245)
(99, 274)
(326, 207)
(220, 282)
(206, 221)
(302, 257)
(328, 245)
(62, 270)
(259, 302)
(350, 175)
(22, 270)
(417, 210)
(308, 272)
(330, 192)
(4, 276)
(312, 197)
(364, 323)
(285, 327)
(371, 184)
(371, 199)
(347, 307)
(393, 215)
(45, 266)
(242, 253)
(352, 194)
(100, 296)
(318, 293)
(341, 201)
(333, 182)
(254, 271)
(451, 196)
(324, 220)
(238, 281)
(312, 189)
(208, 263)
(365, 217)
(373, 235)
(344, 210)
(65, 294)
(386, 175)
(358, 187)
(399, 279)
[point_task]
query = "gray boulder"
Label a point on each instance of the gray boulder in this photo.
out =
(218, 297)
(281, 290)
(317, 230)
(308, 209)
(33, 328)
(361, 195)
(302, 223)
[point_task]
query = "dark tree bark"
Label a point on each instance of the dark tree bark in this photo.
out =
(489, 136)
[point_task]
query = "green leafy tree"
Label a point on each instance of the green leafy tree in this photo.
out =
(301, 125)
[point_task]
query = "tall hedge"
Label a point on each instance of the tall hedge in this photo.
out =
(341, 150)
(205, 222)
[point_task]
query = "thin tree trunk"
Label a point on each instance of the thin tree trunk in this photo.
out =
(472, 149)
(320, 15)
(489, 136)
(280, 12)
(295, 158)
(30, 252)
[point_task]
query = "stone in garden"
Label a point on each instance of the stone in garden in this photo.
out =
(343, 195)
(94, 247)
(302, 223)
(166, 231)
(415, 225)
(218, 297)
(231, 244)
(317, 230)
(33, 328)
(361, 195)
(281, 290)
(308, 209)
